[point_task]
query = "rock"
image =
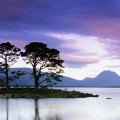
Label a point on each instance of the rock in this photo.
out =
(108, 98)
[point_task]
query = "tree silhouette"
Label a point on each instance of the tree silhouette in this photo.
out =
(8, 56)
(41, 57)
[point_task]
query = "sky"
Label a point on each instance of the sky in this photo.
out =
(86, 32)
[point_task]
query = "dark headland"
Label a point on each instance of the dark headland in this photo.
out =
(42, 93)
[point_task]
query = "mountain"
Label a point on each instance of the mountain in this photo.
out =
(66, 81)
(104, 79)
(27, 80)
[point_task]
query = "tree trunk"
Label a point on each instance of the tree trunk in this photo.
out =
(35, 78)
(36, 84)
(7, 79)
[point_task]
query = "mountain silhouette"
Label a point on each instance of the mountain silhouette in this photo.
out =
(104, 79)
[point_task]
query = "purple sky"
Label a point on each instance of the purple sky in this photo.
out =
(86, 32)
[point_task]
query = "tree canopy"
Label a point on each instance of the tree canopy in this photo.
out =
(46, 63)
(43, 58)
(8, 56)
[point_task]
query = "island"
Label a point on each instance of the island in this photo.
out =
(42, 93)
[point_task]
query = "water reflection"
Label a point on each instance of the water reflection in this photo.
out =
(7, 109)
(37, 116)
(32, 109)
(63, 109)
(49, 111)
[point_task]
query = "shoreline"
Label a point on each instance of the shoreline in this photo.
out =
(42, 93)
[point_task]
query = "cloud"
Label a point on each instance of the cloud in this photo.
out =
(26, 37)
(87, 45)
(79, 51)
(117, 66)
(20, 44)
(67, 16)
(77, 61)
(83, 28)
(104, 28)
(112, 47)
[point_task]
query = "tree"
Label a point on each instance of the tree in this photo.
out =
(41, 57)
(8, 56)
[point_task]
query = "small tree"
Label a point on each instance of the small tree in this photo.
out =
(41, 57)
(8, 56)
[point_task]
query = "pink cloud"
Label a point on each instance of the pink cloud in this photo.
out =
(78, 61)
(104, 28)
(18, 43)
(112, 47)
(107, 30)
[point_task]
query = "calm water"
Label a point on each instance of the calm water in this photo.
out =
(65, 109)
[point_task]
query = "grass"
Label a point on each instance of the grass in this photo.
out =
(42, 93)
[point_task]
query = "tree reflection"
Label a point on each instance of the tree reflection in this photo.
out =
(53, 113)
(56, 117)
(7, 109)
(42, 109)
(37, 117)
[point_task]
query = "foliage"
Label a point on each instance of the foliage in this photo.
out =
(16, 74)
(41, 57)
(8, 56)
(2, 82)
(12, 76)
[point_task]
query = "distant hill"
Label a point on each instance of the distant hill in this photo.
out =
(104, 79)
(27, 79)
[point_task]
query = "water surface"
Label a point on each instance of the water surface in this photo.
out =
(64, 109)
